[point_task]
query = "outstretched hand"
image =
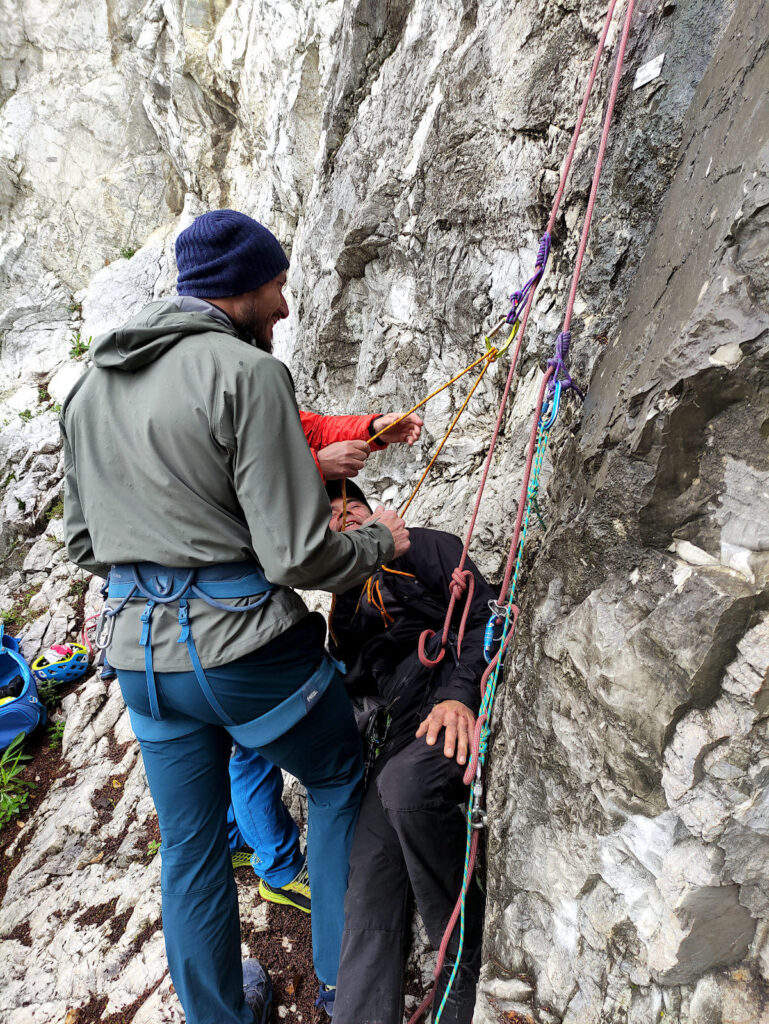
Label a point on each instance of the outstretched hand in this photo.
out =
(458, 721)
(408, 430)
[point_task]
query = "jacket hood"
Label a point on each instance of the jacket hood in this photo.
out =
(153, 331)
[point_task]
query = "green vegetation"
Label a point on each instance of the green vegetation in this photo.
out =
(14, 791)
(48, 692)
(26, 414)
(56, 511)
(19, 615)
(55, 734)
(42, 394)
(79, 345)
(152, 847)
(78, 588)
(126, 252)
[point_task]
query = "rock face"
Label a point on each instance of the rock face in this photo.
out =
(408, 153)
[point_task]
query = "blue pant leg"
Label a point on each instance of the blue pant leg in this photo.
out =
(261, 819)
(187, 776)
(323, 751)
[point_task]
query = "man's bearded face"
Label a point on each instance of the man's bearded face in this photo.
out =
(260, 310)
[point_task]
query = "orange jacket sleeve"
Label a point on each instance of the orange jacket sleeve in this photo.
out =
(322, 431)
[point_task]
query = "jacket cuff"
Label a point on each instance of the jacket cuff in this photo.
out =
(379, 444)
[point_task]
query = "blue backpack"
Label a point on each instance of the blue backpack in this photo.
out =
(20, 707)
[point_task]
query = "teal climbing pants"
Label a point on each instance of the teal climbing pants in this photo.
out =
(187, 770)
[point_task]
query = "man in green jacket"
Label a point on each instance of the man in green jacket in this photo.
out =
(189, 483)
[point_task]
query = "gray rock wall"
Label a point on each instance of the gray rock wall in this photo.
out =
(408, 154)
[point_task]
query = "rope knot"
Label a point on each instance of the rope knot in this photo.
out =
(519, 298)
(543, 252)
(560, 371)
(458, 585)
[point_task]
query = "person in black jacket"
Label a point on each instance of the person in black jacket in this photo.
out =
(411, 832)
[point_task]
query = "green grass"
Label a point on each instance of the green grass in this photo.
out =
(14, 791)
(127, 252)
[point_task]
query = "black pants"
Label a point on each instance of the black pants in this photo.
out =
(411, 834)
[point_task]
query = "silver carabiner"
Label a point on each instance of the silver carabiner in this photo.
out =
(105, 627)
(477, 813)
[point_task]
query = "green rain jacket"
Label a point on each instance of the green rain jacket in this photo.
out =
(183, 446)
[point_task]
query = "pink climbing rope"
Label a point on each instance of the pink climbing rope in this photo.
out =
(553, 370)
(426, 661)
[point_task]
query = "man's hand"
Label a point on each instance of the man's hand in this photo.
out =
(407, 430)
(395, 525)
(458, 721)
(343, 459)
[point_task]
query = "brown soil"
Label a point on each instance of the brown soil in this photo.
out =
(89, 1012)
(42, 770)
(290, 969)
(94, 916)
(21, 933)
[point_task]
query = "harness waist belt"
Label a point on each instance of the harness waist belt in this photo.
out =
(232, 579)
(164, 585)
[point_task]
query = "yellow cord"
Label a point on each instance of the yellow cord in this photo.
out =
(446, 436)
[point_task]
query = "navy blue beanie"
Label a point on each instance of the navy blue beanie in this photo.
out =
(224, 253)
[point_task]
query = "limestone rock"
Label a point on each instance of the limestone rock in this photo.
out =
(407, 154)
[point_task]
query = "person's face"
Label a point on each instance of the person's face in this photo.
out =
(257, 312)
(357, 514)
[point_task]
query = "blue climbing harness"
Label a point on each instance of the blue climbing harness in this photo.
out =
(158, 584)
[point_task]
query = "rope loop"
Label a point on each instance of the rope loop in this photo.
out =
(423, 657)
(518, 299)
(561, 374)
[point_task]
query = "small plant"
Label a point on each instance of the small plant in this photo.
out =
(152, 847)
(127, 252)
(14, 791)
(55, 734)
(75, 307)
(26, 414)
(56, 407)
(48, 692)
(42, 394)
(19, 616)
(56, 511)
(78, 588)
(79, 345)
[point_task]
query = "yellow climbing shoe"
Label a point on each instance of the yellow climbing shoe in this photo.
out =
(241, 859)
(293, 894)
